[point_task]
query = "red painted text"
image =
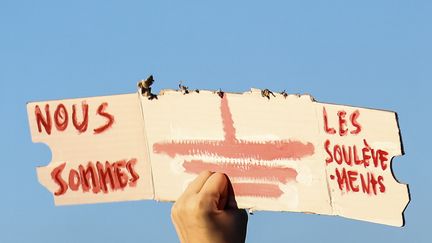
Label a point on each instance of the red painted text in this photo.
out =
(62, 118)
(97, 177)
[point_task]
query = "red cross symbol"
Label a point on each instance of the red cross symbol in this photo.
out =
(243, 150)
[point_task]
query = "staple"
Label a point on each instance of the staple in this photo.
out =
(266, 93)
(284, 94)
(145, 88)
(183, 89)
(152, 96)
(220, 93)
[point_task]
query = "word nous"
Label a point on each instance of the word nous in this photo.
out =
(61, 117)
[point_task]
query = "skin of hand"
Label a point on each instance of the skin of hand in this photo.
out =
(207, 212)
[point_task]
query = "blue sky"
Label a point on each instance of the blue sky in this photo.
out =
(374, 54)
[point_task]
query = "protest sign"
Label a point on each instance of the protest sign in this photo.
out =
(281, 153)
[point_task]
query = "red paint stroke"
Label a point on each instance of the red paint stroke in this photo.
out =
(253, 171)
(61, 118)
(43, 121)
(268, 150)
(80, 126)
(231, 147)
(96, 176)
(251, 189)
(228, 123)
(110, 118)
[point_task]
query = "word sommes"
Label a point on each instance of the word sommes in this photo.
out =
(97, 177)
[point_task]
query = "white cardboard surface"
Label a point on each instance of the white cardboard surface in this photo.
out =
(275, 151)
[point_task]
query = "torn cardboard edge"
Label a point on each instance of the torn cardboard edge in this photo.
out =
(144, 122)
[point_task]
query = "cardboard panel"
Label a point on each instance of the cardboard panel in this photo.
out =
(358, 145)
(99, 152)
(266, 147)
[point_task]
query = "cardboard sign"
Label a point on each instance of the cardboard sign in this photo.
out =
(286, 153)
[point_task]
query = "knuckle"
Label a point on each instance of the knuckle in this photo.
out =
(219, 175)
(203, 205)
(174, 211)
(183, 207)
(205, 173)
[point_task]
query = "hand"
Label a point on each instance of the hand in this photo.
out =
(207, 212)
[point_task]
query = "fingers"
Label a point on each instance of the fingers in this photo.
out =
(213, 187)
(216, 188)
(231, 201)
(196, 185)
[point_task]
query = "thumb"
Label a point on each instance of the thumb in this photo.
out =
(216, 188)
